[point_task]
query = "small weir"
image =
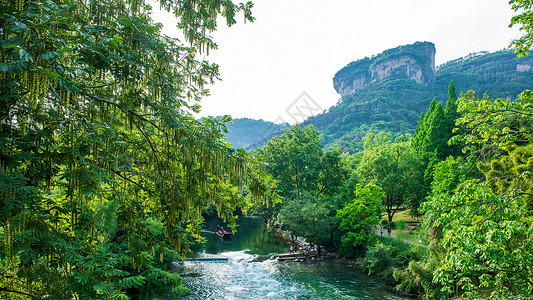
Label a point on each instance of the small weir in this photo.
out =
(208, 259)
(249, 267)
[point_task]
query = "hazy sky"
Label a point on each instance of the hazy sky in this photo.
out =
(296, 46)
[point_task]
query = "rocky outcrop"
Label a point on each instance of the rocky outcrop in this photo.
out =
(416, 61)
(523, 67)
(347, 87)
(403, 65)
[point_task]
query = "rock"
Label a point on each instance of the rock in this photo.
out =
(417, 61)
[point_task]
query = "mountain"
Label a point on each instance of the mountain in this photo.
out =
(250, 134)
(388, 91)
(416, 62)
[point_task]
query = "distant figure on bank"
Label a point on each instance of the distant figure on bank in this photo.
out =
(381, 231)
(388, 229)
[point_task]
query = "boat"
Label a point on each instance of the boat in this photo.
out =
(224, 234)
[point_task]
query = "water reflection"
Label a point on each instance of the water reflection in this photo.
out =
(251, 235)
(251, 273)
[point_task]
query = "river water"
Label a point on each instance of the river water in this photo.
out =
(252, 272)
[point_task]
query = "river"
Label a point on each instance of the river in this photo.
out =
(252, 272)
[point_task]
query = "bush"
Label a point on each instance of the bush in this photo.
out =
(401, 225)
(377, 259)
(391, 253)
(407, 281)
(160, 283)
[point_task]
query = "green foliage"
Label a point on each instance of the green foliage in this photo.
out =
(358, 220)
(304, 215)
(496, 124)
(395, 168)
(524, 8)
(309, 180)
(400, 265)
(400, 225)
(294, 159)
(488, 250)
(431, 136)
(98, 141)
(297, 161)
(480, 233)
(390, 105)
(395, 103)
(447, 177)
(161, 283)
(384, 257)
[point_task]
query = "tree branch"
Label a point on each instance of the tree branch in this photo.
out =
(3, 289)
(125, 110)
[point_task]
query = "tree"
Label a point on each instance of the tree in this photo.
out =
(359, 218)
(297, 161)
(96, 107)
(495, 125)
(430, 139)
(524, 9)
(395, 168)
(304, 215)
(294, 159)
(451, 114)
(486, 247)
(433, 134)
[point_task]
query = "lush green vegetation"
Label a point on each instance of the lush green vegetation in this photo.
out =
(104, 171)
(395, 103)
(466, 172)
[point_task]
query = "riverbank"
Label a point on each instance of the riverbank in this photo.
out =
(321, 254)
(357, 264)
(250, 272)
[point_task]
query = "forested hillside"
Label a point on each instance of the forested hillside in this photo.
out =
(250, 134)
(394, 104)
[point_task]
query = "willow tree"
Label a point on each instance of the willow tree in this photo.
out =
(97, 107)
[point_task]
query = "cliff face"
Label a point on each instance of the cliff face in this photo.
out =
(524, 67)
(349, 86)
(416, 62)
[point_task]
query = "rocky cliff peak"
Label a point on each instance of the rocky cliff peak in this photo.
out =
(416, 61)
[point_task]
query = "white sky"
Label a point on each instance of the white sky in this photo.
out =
(297, 46)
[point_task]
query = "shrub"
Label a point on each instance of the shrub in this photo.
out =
(401, 225)
(161, 283)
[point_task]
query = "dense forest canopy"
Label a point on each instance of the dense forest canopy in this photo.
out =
(104, 171)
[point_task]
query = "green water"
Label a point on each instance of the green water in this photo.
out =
(253, 273)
